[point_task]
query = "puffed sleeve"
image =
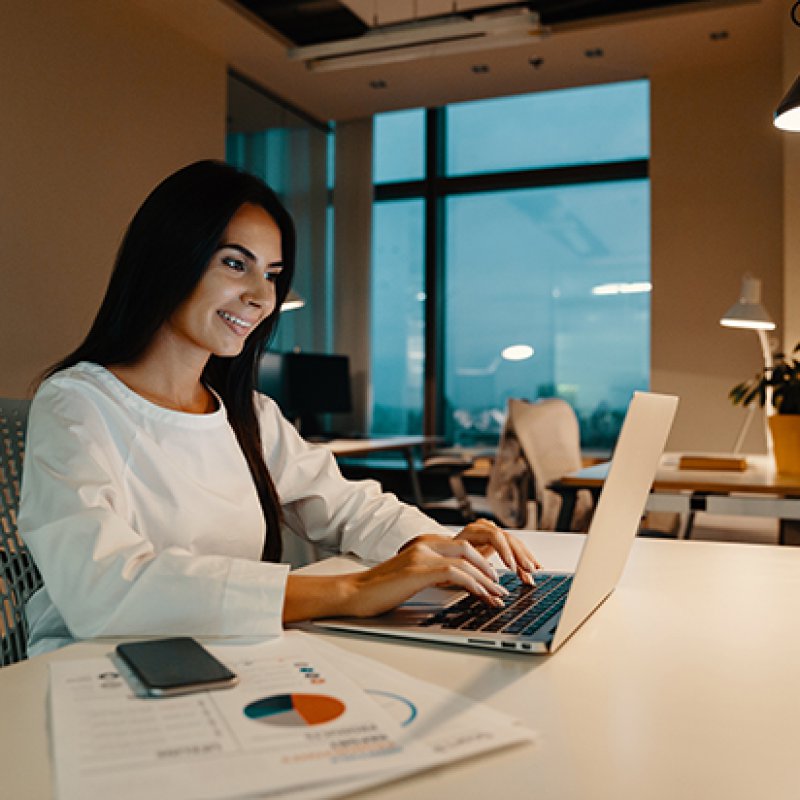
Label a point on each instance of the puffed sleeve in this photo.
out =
(105, 578)
(324, 508)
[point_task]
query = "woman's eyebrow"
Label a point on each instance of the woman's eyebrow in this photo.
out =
(243, 250)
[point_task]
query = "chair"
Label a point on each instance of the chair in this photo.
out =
(19, 577)
(461, 508)
(539, 443)
(549, 435)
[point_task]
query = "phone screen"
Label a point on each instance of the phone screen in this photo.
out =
(175, 666)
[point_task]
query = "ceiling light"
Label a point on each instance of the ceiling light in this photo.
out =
(517, 352)
(787, 114)
(637, 287)
(422, 39)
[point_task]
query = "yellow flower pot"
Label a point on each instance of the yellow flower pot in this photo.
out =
(785, 430)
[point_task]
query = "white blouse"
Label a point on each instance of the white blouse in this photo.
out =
(146, 521)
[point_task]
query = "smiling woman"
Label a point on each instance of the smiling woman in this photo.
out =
(158, 484)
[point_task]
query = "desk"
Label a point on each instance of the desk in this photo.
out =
(342, 448)
(757, 491)
(684, 684)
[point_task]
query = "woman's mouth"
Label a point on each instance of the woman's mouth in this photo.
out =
(239, 326)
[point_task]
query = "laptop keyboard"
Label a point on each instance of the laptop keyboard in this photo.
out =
(525, 609)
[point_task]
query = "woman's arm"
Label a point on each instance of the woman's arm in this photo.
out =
(429, 560)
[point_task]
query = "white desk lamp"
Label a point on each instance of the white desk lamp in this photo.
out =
(748, 313)
(292, 301)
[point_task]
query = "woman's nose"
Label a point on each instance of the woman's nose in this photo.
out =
(260, 291)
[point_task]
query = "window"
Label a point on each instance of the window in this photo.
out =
(531, 237)
(589, 125)
(399, 146)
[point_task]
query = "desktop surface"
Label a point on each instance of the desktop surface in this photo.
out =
(682, 685)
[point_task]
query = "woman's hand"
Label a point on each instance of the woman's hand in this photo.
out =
(488, 539)
(428, 560)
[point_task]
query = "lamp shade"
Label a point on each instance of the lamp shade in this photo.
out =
(748, 312)
(787, 114)
(292, 301)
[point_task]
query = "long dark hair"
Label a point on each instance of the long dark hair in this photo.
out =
(165, 251)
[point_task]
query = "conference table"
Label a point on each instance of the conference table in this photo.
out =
(759, 490)
(683, 684)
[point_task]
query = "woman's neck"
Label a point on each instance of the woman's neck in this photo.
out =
(176, 389)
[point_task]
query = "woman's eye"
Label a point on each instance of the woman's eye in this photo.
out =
(272, 274)
(234, 263)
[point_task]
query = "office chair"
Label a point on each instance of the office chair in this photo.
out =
(539, 443)
(19, 577)
(461, 508)
(549, 435)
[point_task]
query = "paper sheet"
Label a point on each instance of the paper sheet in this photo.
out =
(296, 726)
(450, 726)
(292, 720)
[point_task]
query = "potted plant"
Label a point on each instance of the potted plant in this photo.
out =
(778, 386)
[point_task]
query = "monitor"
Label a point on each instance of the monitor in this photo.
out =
(306, 385)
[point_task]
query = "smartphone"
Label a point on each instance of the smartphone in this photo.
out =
(180, 665)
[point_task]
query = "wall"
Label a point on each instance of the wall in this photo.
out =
(99, 102)
(791, 193)
(352, 255)
(716, 181)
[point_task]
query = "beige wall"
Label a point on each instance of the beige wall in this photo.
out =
(98, 103)
(716, 183)
(791, 189)
(352, 255)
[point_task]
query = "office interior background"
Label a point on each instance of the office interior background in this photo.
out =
(101, 100)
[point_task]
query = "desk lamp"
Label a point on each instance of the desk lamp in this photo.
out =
(749, 314)
(292, 301)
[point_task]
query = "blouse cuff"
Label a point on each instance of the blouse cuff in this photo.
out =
(253, 598)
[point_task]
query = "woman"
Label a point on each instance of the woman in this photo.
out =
(157, 482)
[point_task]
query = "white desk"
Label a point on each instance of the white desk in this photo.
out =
(685, 685)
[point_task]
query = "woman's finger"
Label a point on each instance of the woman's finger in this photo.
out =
(484, 532)
(458, 572)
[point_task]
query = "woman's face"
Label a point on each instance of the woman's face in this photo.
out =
(237, 290)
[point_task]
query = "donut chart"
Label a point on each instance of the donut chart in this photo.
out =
(295, 710)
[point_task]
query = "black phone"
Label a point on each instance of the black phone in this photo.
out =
(179, 665)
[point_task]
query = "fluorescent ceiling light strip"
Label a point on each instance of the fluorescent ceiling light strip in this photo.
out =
(405, 42)
(640, 287)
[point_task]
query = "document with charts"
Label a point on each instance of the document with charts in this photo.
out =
(296, 725)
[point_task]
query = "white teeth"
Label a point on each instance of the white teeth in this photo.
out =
(235, 320)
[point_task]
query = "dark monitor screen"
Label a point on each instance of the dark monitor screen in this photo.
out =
(306, 384)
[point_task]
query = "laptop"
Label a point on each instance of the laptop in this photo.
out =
(540, 619)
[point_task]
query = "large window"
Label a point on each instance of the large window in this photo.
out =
(527, 236)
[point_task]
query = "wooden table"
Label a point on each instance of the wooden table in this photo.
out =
(757, 491)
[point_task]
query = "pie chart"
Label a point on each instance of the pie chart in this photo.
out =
(295, 710)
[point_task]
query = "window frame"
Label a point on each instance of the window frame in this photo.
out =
(433, 189)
